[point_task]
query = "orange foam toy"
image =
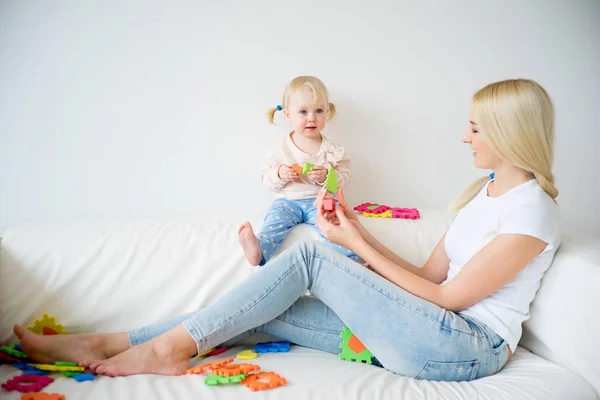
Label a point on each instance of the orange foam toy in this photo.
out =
(257, 382)
(236, 369)
(356, 345)
(42, 396)
(297, 169)
(209, 366)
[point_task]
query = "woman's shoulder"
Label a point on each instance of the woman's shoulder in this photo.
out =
(532, 211)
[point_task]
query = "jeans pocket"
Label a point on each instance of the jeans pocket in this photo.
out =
(449, 371)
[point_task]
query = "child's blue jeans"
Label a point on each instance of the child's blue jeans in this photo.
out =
(281, 217)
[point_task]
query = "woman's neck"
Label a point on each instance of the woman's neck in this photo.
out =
(507, 177)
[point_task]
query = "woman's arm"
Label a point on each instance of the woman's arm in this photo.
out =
(486, 272)
(435, 269)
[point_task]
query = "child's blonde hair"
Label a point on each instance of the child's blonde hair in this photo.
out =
(319, 91)
(516, 119)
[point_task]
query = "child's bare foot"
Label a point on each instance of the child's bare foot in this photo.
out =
(250, 244)
(167, 354)
(73, 348)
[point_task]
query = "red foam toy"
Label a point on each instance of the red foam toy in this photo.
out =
(27, 383)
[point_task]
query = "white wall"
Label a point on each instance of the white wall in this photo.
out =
(127, 109)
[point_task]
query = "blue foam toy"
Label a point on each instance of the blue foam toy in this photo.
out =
(272, 347)
(84, 377)
(30, 370)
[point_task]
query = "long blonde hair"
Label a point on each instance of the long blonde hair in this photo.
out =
(319, 91)
(516, 120)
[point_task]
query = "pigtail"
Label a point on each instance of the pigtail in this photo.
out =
(271, 114)
(331, 112)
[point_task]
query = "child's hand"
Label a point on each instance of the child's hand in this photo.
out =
(286, 174)
(318, 173)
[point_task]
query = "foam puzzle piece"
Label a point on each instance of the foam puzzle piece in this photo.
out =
(46, 321)
(247, 355)
(27, 383)
(84, 377)
(5, 358)
(331, 182)
(306, 168)
(23, 366)
(328, 204)
(385, 214)
(236, 369)
(209, 366)
(407, 213)
(371, 208)
(214, 379)
(351, 345)
(272, 347)
(11, 351)
(48, 331)
(216, 352)
(263, 381)
(65, 364)
(42, 396)
(297, 169)
(50, 367)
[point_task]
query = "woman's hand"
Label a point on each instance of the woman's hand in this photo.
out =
(335, 226)
(348, 211)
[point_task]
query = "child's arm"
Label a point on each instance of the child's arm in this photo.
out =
(275, 175)
(342, 172)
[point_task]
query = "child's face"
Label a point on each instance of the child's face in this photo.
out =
(306, 116)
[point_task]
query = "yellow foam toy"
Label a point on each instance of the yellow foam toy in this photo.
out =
(386, 214)
(49, 321)
(50, 367)
(247, 355)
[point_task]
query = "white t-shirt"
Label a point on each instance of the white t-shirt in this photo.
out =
(525, 209)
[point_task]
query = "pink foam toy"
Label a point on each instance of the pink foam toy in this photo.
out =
(408, 213)
(34, 383)
(217, 351)
(364, 207)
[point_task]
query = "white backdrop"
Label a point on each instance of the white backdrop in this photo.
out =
(114, 109)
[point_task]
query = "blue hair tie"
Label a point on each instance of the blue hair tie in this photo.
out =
(278, 107)
(492, 175)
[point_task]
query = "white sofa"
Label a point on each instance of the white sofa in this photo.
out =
(100, 277)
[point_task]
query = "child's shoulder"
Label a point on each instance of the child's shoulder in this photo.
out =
(332, 148)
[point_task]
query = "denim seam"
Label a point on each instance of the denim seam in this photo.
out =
(308, 327)
(438, 324)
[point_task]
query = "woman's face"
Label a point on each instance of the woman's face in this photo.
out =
(484, 157)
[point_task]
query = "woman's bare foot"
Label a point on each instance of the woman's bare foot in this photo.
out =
(250, 244)
(73, 348)
(167, 354)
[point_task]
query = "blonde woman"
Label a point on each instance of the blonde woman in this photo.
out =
(457, 318)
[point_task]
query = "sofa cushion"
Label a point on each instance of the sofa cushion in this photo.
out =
(99, 277)
(564, 325)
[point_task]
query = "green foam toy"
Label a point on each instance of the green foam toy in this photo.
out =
(331, 182)
(349, 344)
(306, 168)
(214, 379)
